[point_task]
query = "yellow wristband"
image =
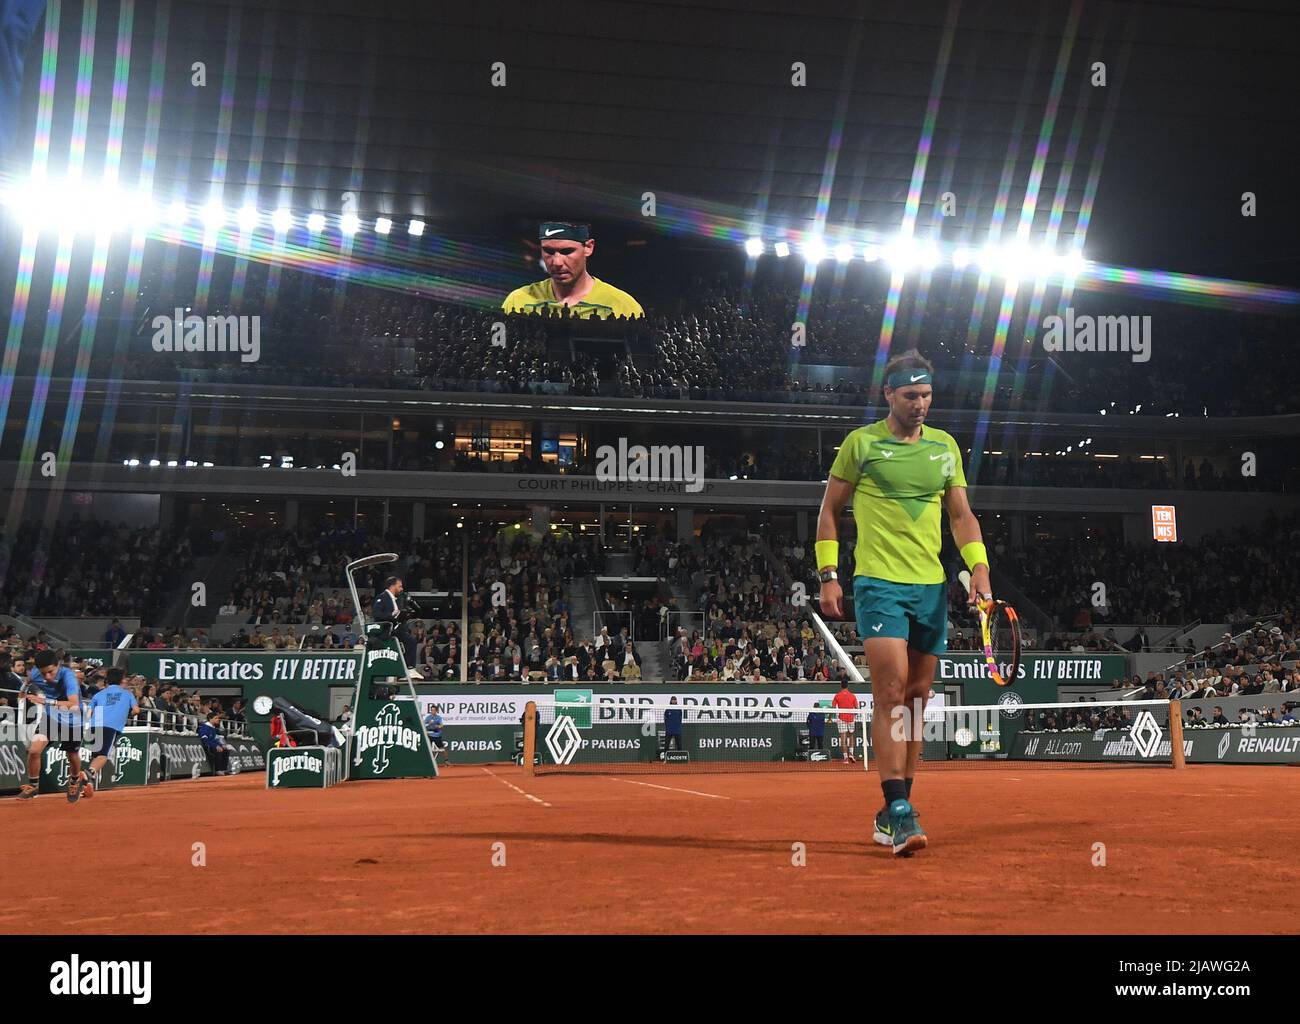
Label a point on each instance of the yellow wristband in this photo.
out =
(828, 554)
(974, 554)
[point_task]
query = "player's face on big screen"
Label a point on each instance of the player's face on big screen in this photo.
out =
(910, 405)
(566, 261)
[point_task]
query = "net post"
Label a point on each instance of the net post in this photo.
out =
(530, 736)
(866, 743)
(1176, 734)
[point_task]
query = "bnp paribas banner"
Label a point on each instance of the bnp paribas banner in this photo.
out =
(587, 707)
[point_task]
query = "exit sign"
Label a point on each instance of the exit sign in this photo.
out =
(1164, 525)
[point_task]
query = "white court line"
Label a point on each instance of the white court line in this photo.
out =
(534, 799)
(633, 782)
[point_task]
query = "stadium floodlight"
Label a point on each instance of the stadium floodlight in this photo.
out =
(141, 212)
(440, 445)
(281, 221)
(349, 224)
(248, 218)
(315, 223)
(902, 253)
(36, 204)
(814, 250)
(213, 216)
(1073, 264)
(753, 247)
(929, 256)
(1018, 261)
(961, 257)
(782, 249)
(415, 229)
(154, 463)
(383, 225)
(177, 214)
(871, 252)
(843, 252)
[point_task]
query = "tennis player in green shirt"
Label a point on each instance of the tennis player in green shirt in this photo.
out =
(899, 473)
(565, 250)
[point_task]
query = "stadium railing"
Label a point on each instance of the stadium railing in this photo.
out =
(167, 721)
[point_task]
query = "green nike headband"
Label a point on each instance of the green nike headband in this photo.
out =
(556, 230)
(904, 378)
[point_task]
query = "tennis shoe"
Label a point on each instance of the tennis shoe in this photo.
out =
(27, 792)
(884, 831)
(74, 790)
(907, 834)
(87, 787)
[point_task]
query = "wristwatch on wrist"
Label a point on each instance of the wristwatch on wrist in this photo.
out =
(827, 575)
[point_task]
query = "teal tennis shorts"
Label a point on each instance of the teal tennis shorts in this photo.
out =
(915, 612)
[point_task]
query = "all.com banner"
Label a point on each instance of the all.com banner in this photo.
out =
(1228, 745)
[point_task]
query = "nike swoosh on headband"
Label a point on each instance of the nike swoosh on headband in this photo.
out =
(556, 231)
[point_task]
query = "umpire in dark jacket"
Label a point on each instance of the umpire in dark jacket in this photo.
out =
(390, 606)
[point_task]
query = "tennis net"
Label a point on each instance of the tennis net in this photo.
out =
(617, 734)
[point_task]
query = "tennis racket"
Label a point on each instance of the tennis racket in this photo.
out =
(1000, 630)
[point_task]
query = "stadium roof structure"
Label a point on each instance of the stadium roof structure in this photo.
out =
(482, 118)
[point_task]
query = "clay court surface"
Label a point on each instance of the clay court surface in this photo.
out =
(1209, 849)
